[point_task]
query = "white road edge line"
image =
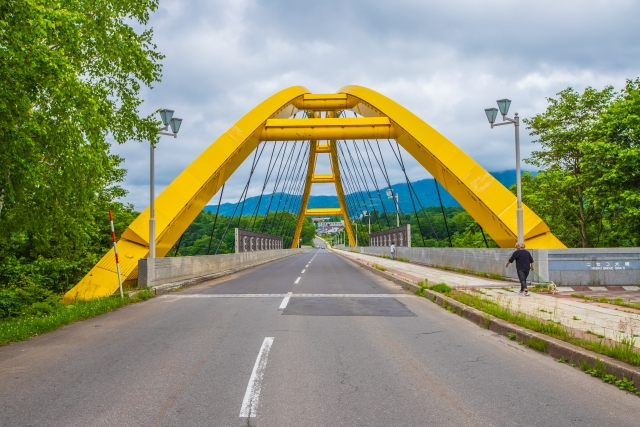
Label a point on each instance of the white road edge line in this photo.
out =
(307, 265)
(285, 301)
(303, 271)
(297, 280)
(250, 402)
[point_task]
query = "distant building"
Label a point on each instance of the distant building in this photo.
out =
(329, 227)
(316, 220)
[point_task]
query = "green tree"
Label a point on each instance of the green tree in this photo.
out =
(563, 131)
(70, 75)
(612, 164)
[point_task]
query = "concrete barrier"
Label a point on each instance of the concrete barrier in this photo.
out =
(568, 267)
(163, 274)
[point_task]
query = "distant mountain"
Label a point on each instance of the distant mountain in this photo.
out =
(424, 188)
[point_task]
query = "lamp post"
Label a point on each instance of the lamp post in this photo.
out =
(390, 195)
(174, 123)
(356, 234)
(504, 104)
(365, 213)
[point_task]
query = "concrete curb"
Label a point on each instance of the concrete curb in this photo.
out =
(168, 287)
(554, 347)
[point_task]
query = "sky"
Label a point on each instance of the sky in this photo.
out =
(446, 61)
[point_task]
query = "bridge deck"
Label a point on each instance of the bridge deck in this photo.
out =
(371, 354)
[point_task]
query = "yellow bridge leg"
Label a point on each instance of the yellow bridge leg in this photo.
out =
(305, 195)
(335, 169)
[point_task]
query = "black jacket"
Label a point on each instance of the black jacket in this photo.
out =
(522, 258)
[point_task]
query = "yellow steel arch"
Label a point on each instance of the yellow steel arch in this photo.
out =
(178, 205)
(488, 202)
(491, 204)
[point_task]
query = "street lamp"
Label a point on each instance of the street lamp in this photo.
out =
(365, 213)
(168, 121)
(356, 233)
(503, 105)
(390, 195)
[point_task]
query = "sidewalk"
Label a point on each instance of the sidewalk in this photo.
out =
(613, 323)
(417, 273)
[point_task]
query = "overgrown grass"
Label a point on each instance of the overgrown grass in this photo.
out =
(443, 288)
(379, 267)
(599, 370)
(494, 276)
(613, 301)
(623, 350)
(537, 344)
(29, 325)
(396, 258)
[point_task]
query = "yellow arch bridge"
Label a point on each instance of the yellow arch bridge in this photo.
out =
(491, 204)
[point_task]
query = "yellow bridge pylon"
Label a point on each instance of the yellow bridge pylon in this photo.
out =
(491, 204)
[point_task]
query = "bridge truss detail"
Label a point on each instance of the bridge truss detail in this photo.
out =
(491, 204)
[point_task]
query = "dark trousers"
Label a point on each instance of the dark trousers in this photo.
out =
(522, 275)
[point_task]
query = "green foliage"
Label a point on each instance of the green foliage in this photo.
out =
(588, 190)
(379, 267)
(465, 232)
(197, 239)
(443, 288)
(70, 76)
(44, 317)
(537, 344)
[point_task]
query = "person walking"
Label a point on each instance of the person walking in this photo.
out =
(393, 250)
(524, 263)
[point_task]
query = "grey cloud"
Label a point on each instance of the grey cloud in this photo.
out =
(445, 61)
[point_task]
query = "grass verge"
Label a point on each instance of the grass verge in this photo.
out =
(379, 267)
(24, 327)
(613, 301)
(624, 350)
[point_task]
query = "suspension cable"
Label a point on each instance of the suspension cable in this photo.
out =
(360, 176)
(256, 210)
(288, 184)
(443, 215)
(354, 182)
(355, 194)
(375, 180)
(284, 180)
(484, 237)
(349, 195)
(298, 187)
(385, 174)
(178, 245)
(411, 188)
(372, 175)
(360, 162)
(294, 188)
(276, 184)
(347, 181)
(256, 158)
(216, 218)
(401, 162)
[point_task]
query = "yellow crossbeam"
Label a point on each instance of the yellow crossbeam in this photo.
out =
(323, 178)
(323, 148)
(324, 102)
(326, 129)
(323, 212)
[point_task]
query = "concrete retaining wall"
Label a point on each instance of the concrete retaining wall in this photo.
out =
(168, 273)
(568, 267)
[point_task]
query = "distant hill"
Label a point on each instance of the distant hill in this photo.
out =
(424, 188)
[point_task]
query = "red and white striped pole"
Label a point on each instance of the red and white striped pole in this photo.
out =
(115, 249)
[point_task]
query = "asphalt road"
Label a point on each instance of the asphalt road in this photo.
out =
(354, 350)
